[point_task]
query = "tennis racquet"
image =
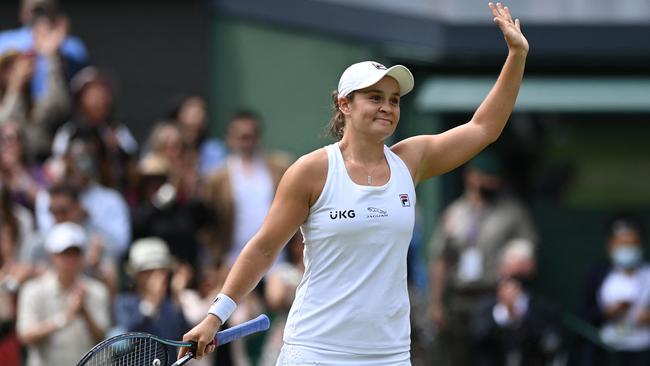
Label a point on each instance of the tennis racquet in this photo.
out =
(143, 349)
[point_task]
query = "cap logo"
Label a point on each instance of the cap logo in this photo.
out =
(378, 66)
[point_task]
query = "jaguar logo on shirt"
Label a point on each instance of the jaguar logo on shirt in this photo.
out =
(374, 212)
(342, 214)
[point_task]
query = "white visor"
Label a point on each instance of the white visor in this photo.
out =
(364, 74)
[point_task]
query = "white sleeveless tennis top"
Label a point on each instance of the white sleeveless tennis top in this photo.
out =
(353, 297)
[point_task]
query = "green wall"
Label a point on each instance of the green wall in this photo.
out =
(286, 76)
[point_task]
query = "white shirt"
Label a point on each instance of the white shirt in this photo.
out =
(625, 334)
(353, 297)
(252, 195)
(41, 299)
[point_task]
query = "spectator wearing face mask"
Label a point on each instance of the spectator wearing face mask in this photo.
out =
(466, 246)
(617, 296)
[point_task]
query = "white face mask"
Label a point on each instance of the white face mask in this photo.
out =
(627, 256)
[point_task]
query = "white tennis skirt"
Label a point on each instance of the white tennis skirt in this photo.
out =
(292, 355)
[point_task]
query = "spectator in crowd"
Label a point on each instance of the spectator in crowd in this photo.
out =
(21, 176)
(616, 299)
(151, 308)
(240, 193)
(516, 326)
(25, 39)
(101, 257)
(472, 232)
(191, 113)
(160, 213)
(106, 208)
(62, 313)
(279, 292)
(166, 142)
(28, 248)
(39, 115)
(93, 93)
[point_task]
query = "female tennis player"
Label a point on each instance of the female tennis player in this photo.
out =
(354, 202)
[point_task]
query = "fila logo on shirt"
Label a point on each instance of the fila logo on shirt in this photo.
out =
(405, 200)
(342, 214)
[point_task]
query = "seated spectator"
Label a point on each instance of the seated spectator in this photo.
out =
(106, 208)
(24, 39)
(93, 94)
(23, 177)
(623, 296)
(150, 308)
(192, 116)
(62, 313)
(515, 326)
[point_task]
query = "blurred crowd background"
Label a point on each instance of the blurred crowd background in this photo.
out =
(141, 144)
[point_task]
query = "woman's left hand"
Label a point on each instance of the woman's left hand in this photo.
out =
(510, 28)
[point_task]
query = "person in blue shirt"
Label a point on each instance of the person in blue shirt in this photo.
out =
(72, 50)
(150, 308)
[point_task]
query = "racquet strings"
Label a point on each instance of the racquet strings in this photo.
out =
(131, 352)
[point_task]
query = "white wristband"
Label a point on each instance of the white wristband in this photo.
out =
(222, 307)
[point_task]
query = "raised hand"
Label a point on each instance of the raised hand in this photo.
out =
(510, 28)
(76, 301)
(507, 293)
(49, 35)
(156, 288)
(21, 72)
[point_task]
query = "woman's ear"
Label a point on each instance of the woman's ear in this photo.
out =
(344, 105)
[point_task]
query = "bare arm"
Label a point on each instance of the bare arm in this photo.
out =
(296, 192)
(431, 155)
(289, 209)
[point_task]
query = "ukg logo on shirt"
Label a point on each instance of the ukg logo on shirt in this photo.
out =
(342, 214)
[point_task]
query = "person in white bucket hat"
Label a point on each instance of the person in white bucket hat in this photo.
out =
(354, 201)
(152, 307)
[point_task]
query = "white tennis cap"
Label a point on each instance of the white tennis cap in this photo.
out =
(149, 253)
(364, 74)
(65, 235)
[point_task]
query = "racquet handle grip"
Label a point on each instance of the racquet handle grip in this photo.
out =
(258, 324)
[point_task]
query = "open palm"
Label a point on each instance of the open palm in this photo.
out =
(510, 28)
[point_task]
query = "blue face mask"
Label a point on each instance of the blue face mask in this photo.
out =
(627, 256)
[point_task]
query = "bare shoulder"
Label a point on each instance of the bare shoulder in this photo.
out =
(308, 174)
(410, 151)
